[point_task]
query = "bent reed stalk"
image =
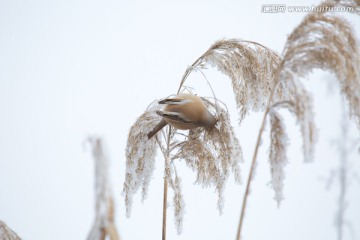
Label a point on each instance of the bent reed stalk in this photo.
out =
(324, 41)
(165, 191)
(252, 167)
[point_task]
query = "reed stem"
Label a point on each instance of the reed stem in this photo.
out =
(166, 156)
(252, 168)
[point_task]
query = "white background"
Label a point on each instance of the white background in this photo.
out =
(73, 68)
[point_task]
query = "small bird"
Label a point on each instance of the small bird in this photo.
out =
(185, 111)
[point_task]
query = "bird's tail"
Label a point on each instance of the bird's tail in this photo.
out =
(157, 128)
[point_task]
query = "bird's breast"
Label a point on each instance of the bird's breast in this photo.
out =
(181, 126)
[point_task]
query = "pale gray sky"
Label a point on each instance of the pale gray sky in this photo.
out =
(73, 68)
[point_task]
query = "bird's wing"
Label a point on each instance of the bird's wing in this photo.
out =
(174, 116)
(174, 101)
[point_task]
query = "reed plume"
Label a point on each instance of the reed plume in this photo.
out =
(104, 220)
(6, 233)
(325, 41)
(277, 154)
(212, 153)
(251, 68)
(140, 156)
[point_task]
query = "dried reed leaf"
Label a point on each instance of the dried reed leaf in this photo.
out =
(140, 156)
(277, 154)
(6, 233)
